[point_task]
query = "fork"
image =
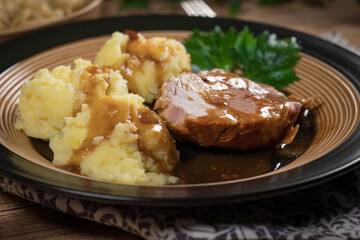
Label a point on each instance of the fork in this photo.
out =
(197, 8)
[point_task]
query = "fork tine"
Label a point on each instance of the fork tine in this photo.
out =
(187, 8)
(197, 8)
(209, 12)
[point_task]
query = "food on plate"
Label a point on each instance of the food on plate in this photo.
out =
(51, 96)
(263, 58)
(218, 108)
(98, 129)
(95, 126)
(19, 13)
(145, 63)
(117, 138)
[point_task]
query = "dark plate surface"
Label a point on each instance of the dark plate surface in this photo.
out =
(343, 158)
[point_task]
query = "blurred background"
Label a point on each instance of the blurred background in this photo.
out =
(338, 20)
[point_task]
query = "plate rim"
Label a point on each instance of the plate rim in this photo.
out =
(345, 63)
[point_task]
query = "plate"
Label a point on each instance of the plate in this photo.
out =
(326, 70)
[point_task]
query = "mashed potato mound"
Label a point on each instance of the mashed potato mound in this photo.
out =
(51, 96)
(145, 63)
(95, 127)
(115, 155)
(44, 102)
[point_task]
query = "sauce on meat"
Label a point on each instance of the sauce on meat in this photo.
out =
(227, 90)
(218, 108)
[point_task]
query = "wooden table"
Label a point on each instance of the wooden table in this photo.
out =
(20, 219)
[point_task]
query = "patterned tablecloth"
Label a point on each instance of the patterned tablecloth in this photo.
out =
(327, 211)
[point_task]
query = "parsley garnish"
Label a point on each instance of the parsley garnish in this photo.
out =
(263, 58)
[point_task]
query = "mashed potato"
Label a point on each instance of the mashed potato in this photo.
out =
(89, 148)
(36, 113)
(145, 63)
(51, 96)
(95, 127)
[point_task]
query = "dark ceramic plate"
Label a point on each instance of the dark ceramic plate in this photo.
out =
(326, 70)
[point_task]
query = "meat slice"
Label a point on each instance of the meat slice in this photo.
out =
(218, 108)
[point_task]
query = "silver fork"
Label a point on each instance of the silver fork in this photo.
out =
(197, 8)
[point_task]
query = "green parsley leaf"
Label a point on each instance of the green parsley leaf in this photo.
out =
(234, 7)
(134, 4)
(211, 50)
(263, 58)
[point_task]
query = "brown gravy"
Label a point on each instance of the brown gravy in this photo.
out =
(106, 113)
(205, 165)
(151, 127)
(140, 51)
